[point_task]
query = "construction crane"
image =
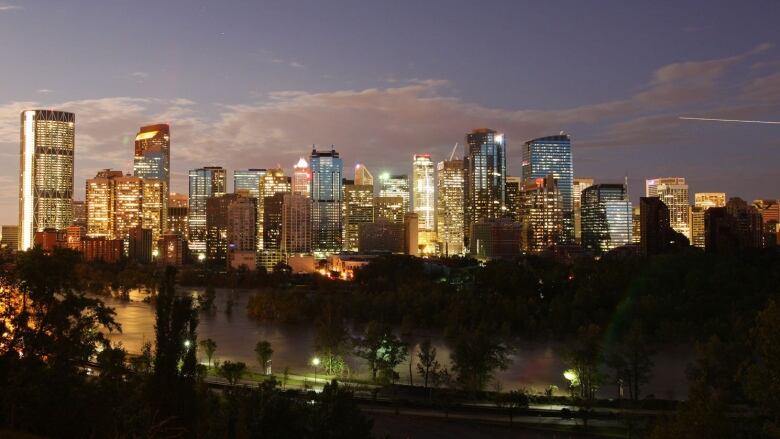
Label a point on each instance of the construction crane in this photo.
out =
(453, 150)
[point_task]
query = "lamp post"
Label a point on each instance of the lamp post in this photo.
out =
(315, 362)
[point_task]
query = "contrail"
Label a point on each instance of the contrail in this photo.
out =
(731, 120)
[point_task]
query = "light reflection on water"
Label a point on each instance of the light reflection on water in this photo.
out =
(534, 366)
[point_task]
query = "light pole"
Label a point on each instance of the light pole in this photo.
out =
(315, 362)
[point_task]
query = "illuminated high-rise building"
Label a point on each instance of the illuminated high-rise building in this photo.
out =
(152, 160)
(450, 179)
(301, 178)
(204, 183)
(485, 177)
(273, 182)
(128, 204)
(541, 214)
(296, 225)
(178, 214)
(358, 209)
(390, 209)
(241, 232)
(709, 199)
(154, 209)
(424, 191)
(580, 184)
(326, 193)
(512, 196)
(636, 225)
(702, 202)
(673, 191)
(45, 172)
(362, 176)
(100, 204)
(395, 186)
(552, 155)
(770, 220)
(271, 254)
(607, 217)
(247, 182)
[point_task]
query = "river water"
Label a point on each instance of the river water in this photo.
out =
(535, 366)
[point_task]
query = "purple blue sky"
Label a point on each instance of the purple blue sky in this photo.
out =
(256, 83)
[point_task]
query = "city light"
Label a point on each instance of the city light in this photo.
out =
(315, 361)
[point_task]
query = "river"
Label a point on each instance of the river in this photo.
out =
(535, 366)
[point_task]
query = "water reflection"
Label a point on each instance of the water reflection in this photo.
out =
(535, 366)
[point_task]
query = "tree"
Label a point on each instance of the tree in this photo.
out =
(209, 346)
(762, 377)
(330, 339)
(631, 360)
(232, 372)
(427, 365)
(263, 351)
(583, 357)
(382, 350)
(476, 355)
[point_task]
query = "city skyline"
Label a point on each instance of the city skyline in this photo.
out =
(634, 79)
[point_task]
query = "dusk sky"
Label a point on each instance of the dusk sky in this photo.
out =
(256, 83)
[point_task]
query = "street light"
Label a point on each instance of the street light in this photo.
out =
(187, 344)
(315, 362)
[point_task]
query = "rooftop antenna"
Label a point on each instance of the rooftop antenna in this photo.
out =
(453, 150)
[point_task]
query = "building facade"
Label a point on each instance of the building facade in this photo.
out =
(301, 178)
(552, 155)
(247, 182)
(580, 184)
(204, 183)
(673, 191)
(607, 217)
(485, 177)
(296, 225)
(273, 182)
(395, 186)
(541, 215)
(327, 172)
(152, 161)
(358, 209)
(45, 172)
(178, 214)
(450, 181)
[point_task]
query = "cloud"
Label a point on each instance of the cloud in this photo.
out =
(140, 76)
(43, 91)
(6, 7)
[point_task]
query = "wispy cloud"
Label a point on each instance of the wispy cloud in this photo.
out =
(43, 91)
(140, 76)
(6, 7)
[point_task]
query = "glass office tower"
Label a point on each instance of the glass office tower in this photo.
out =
(204, 183)
(247, 182)
(673, 191)
(449, 207)
(45, 172)
(424, 191)
(485, 177)
(552, 155)
(327, 171)
(395, 186)
(152, 161)
(607, 217)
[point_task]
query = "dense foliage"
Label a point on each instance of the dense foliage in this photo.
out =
(60, 378)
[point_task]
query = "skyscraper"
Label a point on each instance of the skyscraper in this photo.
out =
(204, 183)
(541, 215)
(45, 172)
(247, 181)
(301, 178)
(152, 160)
(326, 193)
(424, 191)
(241, 233)
(450, 179)
(100, 204)
(296, 225)
(272, 230)
(552, 155)
(273, 182)
(512, 195)
(657, 234)
(580, 184)
(395, 186)
(178, 214)
(128, 204)
(673, 191)
(79, 213)
(732, 228)
(154, 210)
(390, 209)
(485, 176)
(702, 202)
(358, 209)
(606, 217)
